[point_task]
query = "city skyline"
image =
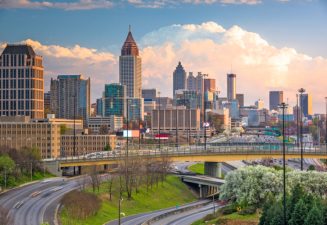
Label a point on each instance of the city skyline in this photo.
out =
(198, 46)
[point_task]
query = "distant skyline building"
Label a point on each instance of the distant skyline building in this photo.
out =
(240, 99)
(99, 108)
(306, 103)
(191, 82)
(130, 67)
(231, 87)
(260, 104)
(209, 84)
(114, 100)
(179, 78)
(275, 99)
(47, 105)
(149, 94)
(70, 97)
(21, 82)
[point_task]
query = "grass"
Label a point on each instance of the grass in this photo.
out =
(231, 219)
(197, 168)
(169, 194)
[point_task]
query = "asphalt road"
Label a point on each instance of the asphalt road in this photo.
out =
(36, 203)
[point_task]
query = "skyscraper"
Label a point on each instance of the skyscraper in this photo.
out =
(114, 100)
(306, 102)
(70, 97)
(275, 99)
(191, 82)
(231, 87)
(209, 84)
(21, 82)
(130, 67)
(240, 99)
(179, 78)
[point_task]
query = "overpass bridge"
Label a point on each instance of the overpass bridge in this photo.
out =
(212, 153)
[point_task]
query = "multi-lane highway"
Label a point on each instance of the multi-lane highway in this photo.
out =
(36, 203)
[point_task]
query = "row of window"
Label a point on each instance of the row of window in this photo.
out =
(21, 73)
(21, 105)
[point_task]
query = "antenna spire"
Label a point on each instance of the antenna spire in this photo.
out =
(129, 28)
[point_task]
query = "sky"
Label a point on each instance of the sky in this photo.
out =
(269, 44)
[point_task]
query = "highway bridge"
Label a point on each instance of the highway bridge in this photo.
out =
(213, 152)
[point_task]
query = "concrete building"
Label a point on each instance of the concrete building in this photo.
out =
(209, 84)
(85, 144)
(114, 100)
(306, 102)
(130, 67)
(164, 102)
(260, 104)
(188, 98)
(149, 94)
(275, 99)
(240, 99)
(191, 82)
(21, 82)
(187, 119)
(99, 108)
(22, 131)
(112, 123)
(179, 78)
(149, 105)
(70, 97)
(231, 87)
(135, 109)
(47, 104)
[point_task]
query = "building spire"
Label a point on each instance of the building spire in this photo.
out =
(129, 28)
(130, 46)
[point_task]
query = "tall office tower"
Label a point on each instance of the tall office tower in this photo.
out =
(47, 109)
(306, 102)
(70, 97)
(200, 83)
(21, 82)
(275, 99)
(114, 100)
(99, 108)
(130, 67)
(259, 104)
(191, 82)
(179, 78)
(240, 99)
(209, 84)
(231, 87)
(149, 94)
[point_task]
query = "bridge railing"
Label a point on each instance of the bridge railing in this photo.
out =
(200, 149)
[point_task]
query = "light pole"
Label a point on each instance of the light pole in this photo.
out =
(283, 106)
(301, 91)
(205, 127)
(297, 120)
(326, 123)
(140, 119)
(176, 124)
(159, 122)
(74, 150)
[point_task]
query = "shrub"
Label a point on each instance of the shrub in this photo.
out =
(228, 210)
(248, 210)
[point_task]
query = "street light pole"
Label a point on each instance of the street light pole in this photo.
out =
(140, 120)
(74, 150)
(297, 120)
(176, 125)
(159, 122)
(283, 106)
(205, 128)
(326, 123)
(301, 91)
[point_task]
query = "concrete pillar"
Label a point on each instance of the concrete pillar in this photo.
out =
(200, 187)
(79, 170)
(212, 169)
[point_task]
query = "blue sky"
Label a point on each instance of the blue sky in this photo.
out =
(271, 44)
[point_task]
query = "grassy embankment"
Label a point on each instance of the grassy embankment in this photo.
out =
(170, 193)
(197, 168)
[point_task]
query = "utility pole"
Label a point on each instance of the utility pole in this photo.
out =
(301, 91)
(31, 171)
(284, 106)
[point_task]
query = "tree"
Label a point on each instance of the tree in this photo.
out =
(299, 214)
(314, 217)
(107, 147)
(7, 166)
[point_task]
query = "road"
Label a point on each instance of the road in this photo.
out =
(36, 203)
(140, 218)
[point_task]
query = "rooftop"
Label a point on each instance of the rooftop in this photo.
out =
(19, 49)
(130, 46)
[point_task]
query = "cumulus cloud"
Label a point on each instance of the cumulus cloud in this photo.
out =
(207, 47)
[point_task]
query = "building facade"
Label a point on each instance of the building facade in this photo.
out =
(179, 78)
(209, 84)
(149, 94)
(112, 123)
(70, 97)
(275, 99)
(21, 82)
(231, 87)
(240, 99)
(114, 100)
(130, 68)
(306, 104)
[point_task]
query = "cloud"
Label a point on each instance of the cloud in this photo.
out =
(207, 47)
(260, 66)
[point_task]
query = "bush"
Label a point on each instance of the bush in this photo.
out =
(248, 210)
(80, 205)
(228, 210)
(209, 217)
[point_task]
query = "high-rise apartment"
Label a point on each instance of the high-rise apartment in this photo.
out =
(21, 82)
(209, 84)
(130, 67)
(275, 99)
(231, 86)
(306, 103)
(179, 78)
(70, 97)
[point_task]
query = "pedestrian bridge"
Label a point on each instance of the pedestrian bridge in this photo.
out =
(221, 152)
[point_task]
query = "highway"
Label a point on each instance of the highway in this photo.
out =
(36, 203)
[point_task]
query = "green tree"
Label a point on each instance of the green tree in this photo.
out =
(314, 217)
(277, 216)
(107, 147)
(7, 165)
(299, 214)
(297, 194)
